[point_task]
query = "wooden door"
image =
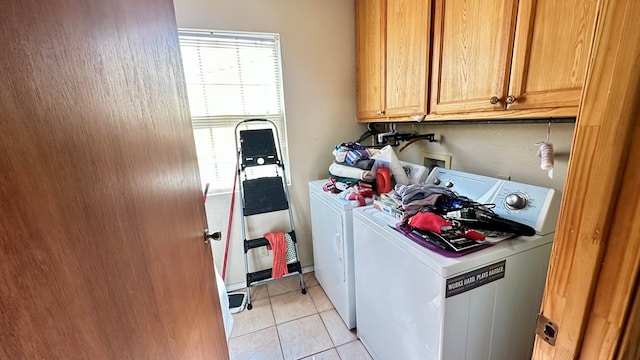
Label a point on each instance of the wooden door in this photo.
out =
(595, 261)
(408, 39)
(101, 218)
(370, 55)
(550, 53)
(471, 54)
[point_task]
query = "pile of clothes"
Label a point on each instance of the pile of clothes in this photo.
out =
(427, 221)
(350, 174)
(352, 163)
(441, 211)
(412, 198)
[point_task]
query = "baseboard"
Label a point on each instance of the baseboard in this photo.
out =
(242, 285)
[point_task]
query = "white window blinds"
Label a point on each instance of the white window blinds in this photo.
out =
(230, 77)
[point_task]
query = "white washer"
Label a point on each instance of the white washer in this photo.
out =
(416, 304)
(332, 236)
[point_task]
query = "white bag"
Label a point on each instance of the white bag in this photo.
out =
(388, 157)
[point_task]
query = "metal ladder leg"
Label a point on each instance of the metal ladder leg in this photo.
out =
(246, 272)
(303, 287)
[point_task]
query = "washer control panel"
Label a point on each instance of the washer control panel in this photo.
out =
(532, 205)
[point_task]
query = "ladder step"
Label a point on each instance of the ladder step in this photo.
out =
(259, 242)
(255, 243)
(265, 274)
(263, 195)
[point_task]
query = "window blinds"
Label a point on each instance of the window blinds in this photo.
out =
(230, 77)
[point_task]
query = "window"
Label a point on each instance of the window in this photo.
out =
(230, 76)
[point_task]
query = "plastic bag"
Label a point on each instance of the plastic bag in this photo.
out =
(388, 157)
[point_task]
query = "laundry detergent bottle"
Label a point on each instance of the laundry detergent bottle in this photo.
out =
(383, 180)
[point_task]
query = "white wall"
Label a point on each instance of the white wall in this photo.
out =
(497, 150)
(318, 56)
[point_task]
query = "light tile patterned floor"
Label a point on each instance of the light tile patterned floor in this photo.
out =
(285, 324)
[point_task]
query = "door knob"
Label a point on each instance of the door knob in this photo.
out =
(380, 112)
(494, 100)
(511, 99)
(208, 236)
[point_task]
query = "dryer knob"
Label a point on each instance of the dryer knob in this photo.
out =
(448, 184)
(436, 181)
(516, 201)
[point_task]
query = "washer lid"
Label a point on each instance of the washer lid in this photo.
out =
(444, 266)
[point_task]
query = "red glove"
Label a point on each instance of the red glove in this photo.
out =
(428, 221)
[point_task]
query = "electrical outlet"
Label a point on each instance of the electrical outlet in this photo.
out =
(262, 251)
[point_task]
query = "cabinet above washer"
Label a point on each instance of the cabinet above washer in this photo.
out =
(495, 59)
(486, 60)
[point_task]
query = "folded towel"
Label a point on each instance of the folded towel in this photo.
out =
(344, 180)
(363, 164)
(278, 243)
(351, 172)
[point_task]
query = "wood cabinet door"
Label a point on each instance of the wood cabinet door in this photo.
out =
(471, 54)
(550, 53)
(370, 55)
(101, 219)
(408, 23)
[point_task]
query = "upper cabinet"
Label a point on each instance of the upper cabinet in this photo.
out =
(392, 46)
(489, 58)
(550, 53)
(472, 45)
(370, 52)
(485, 60)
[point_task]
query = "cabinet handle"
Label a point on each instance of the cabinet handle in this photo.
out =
(511, 99)
(380, 112)
(494, 100)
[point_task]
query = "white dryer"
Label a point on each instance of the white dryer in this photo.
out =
(332, 236)
(414, 303)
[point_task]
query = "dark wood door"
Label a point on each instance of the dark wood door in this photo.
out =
(101, 214)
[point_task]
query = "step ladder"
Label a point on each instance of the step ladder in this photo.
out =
(259, 152)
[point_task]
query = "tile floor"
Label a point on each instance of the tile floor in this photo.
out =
(284, 324)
